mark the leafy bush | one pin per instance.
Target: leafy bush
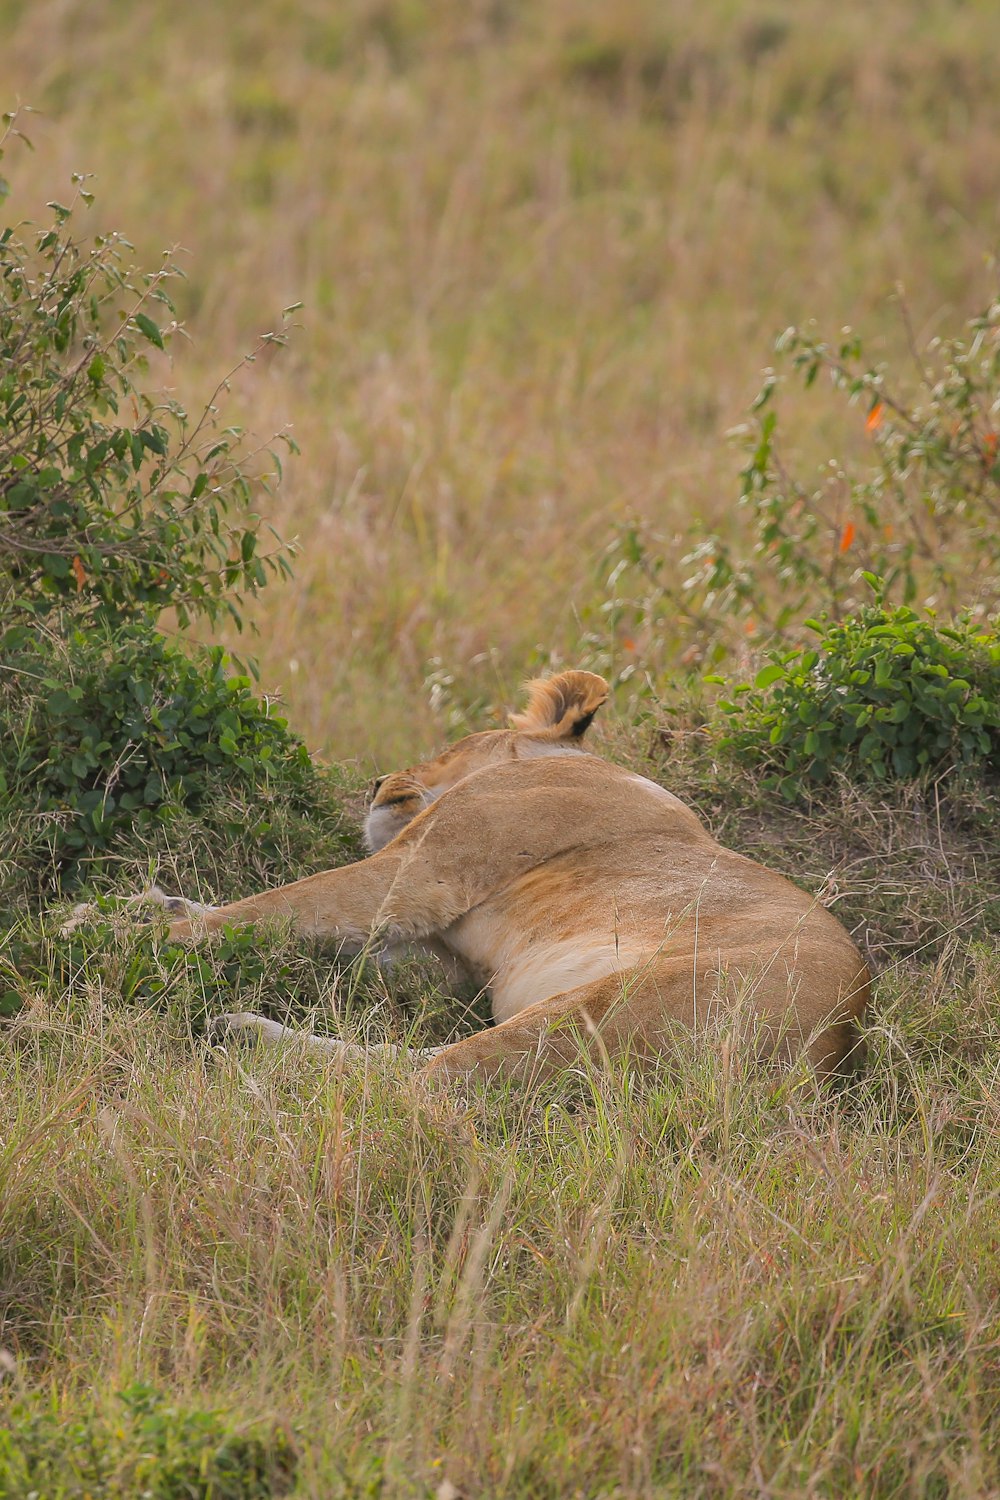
(108, 737)
(113, 506)
(915, 499)
(269, 969)
(148, 1448)
(882, 694)
(921, 508)
(110, 501)
(244, 967)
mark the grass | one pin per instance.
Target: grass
(542, 251)
(708, 1280)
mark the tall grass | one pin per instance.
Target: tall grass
(542, 252)
(707, 1282)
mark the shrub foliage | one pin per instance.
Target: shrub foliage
(917, 504)
(106, 735)
(110, 500)
(914, 497)
(884, 693)
(114, 505)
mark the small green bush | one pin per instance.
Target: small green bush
(113, 506)
(111, 501)
(148, 1448)
(107, 738)
(883, 694)
(244, 967)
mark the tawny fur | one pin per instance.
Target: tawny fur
(590, 901)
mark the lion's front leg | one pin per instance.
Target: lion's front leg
(175, 906)
(345, 905)
(415, 887)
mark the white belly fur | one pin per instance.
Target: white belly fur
(549, 970)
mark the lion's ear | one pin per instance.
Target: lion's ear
(561, 707)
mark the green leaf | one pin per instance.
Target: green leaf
(767, 675)
(10, 1003)
(149, 329)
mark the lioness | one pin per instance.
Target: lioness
(590, 901)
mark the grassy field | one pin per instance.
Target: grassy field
(542, 253)
(709, 1280)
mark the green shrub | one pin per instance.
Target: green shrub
(882, 694)
(148, 1448)
(246, 967)
(109, 737)
(111, 502)
(913, 497)
(113, 506)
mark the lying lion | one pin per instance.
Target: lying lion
(590, 902)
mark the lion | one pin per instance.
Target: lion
(592, 904)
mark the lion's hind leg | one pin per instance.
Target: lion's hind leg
(273, 1034)
(643, 1011)
(596, 1019)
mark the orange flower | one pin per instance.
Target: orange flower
(874, 418)
(847, 536)
(79, 573)
(990, 447)
(628, 643)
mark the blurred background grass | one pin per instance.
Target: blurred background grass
(542, 252)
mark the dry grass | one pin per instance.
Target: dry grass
(542, 252)
(709, 1280)
(706, 1283)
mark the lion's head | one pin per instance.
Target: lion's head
(559, 713)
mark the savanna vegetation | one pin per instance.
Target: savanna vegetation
(543, 254)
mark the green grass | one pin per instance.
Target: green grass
(707, 1282)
